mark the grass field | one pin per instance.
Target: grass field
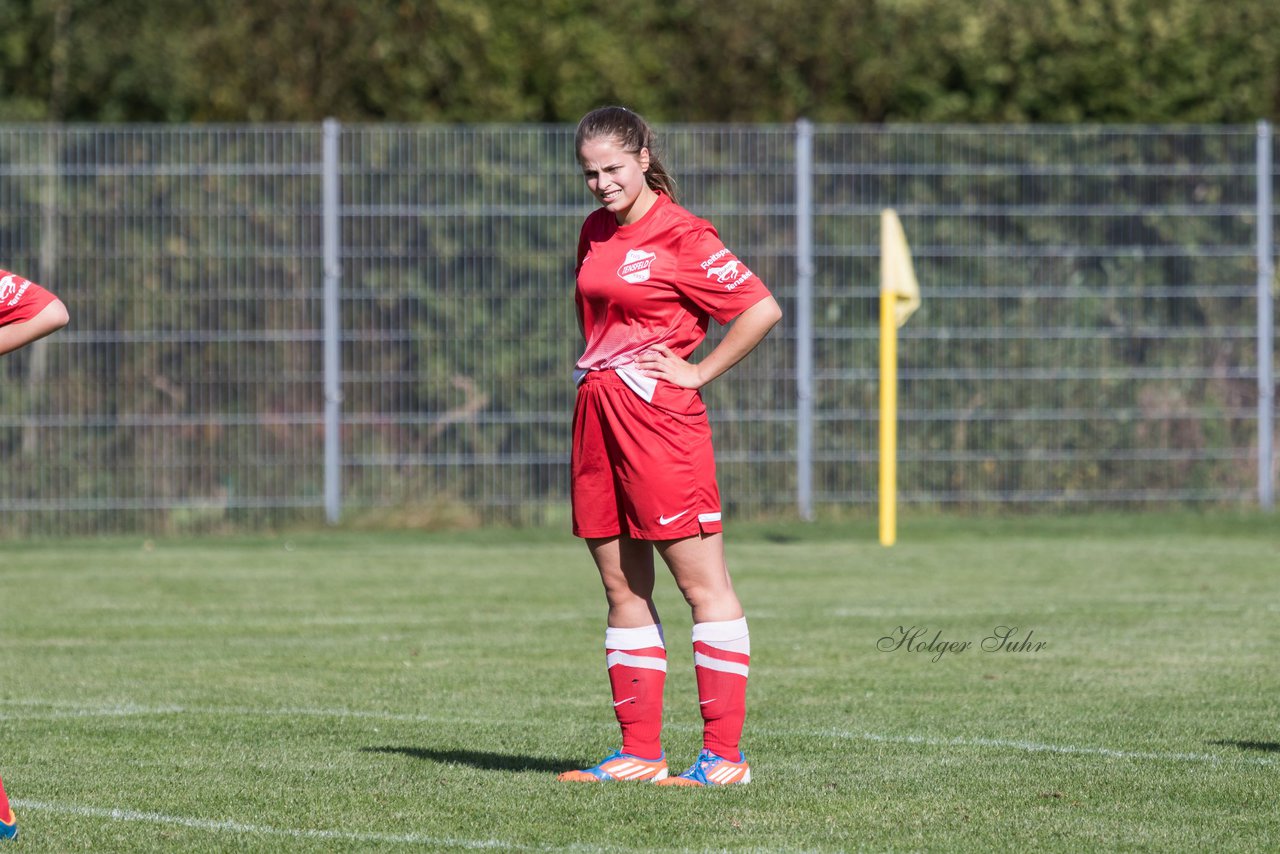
(398, 691)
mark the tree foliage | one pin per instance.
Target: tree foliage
(1196, 61)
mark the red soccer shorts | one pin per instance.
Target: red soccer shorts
(640, 469)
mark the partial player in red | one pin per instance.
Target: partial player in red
(27, 312)
(650, 277)
(8, 822)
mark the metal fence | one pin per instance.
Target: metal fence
(275, 324)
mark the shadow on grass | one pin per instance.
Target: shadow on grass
(779, 537)
(482, 759)
(1261, 746)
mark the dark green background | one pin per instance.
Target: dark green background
(1057, 61)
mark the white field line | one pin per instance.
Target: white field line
(56, 711)
(30, 710)
(1031, 747)
(386, 624)
(266, 830)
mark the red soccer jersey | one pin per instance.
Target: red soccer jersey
(656, 281)
(20, 299)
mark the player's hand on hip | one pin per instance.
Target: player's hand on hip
(659, 361)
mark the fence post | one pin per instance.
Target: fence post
(1266, 323)
(46, 271)
(331, 199)
(804, 319)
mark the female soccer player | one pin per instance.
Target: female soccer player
(27, 312)
(650, 276)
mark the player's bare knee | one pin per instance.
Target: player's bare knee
(702, 595)
(620, 594)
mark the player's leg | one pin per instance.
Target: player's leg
(626, 570)
(721, 655)
(8, 823)
(636, 654)
(636, 658)
(699, 568)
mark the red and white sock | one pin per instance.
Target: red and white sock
(637, 661)
(721, 659)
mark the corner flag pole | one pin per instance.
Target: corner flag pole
(899, 297)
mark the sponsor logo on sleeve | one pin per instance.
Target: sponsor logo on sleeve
(12, 288)
(635, 267)
(726, 273)
(731, 273)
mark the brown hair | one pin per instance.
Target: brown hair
(632, 133)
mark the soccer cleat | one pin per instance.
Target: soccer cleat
(9, 826)
(620, 766)
(712, 770)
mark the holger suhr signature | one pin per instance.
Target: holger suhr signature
(916, 639)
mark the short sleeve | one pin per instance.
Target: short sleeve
(20, 299)
(714, 278)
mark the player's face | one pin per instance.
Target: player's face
(616, 178)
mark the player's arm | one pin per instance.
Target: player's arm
(49, 319)
(745, 332)
(584, 246)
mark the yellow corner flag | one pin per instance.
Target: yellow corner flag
(897, 275)
(899, 298)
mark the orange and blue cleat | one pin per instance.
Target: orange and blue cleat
(712, 770)
(9, 826)
(620, 766)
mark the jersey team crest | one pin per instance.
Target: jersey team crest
(635, 267)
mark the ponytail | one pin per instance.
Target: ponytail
(632, 133)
